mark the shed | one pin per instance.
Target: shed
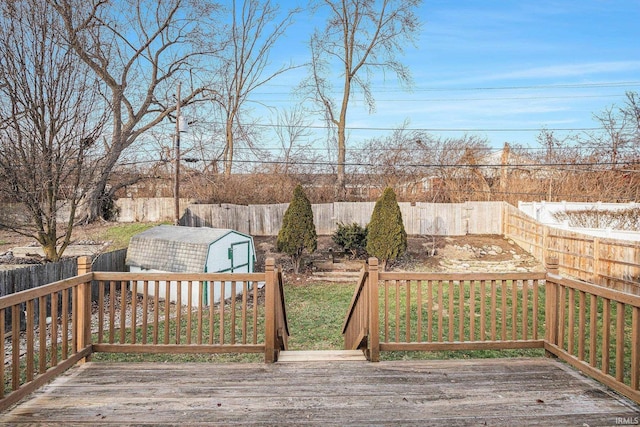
(168, 248)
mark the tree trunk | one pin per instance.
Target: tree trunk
(228, 151)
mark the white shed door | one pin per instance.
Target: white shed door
(240, 257)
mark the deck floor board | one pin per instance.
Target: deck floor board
(445, 392)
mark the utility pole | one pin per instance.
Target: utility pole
(176, 183)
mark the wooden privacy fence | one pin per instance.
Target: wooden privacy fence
(607, 262)
(444, 219)
(431, 311)
(134, 313)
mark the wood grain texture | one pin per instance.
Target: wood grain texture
(447, 392)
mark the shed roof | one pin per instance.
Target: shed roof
(174, 249)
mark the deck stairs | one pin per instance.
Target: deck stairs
(292, 356)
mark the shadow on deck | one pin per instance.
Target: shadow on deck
(444, 392)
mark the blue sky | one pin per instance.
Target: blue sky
(499, 69)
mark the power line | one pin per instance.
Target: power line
(386, 129)
(419, 165)
(490, 88)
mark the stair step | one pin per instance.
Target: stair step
(336, 276)
(290, 356)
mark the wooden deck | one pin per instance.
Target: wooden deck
(445, 392)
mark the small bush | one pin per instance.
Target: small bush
(298, 233)
(351, 238)
(386, 236)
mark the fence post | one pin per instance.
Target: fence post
(551, 302)
(545, 242)
(596, 261)
(83, 310)
(270, 311)
(374, 310)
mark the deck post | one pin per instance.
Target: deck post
(551, 303)
(270, 311)
(374, 317)
(83, 310)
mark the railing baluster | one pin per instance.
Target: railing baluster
(535, 298)
(407, 314)
(189, 314)
(430, 310)
(255, 312)
(461, 310)
(494, 314)
(525, 310)
(571, 326)
(101, 286)
(134, 313)
(200, 304)
(451, 305)
(562, 316)
(15, 347)
(606, 334)
(54, 329)
(503, 289)
(397, 310)
(211, 286)
(123, 311)
(419, 285)
(483, 309)
(156, 311)
(42, 334)
(386, 311)
(112, 311)
(581, 324)
(29, 314)
(145, 310)
(440, 309)
(472, 310)
(233, 313)
(178, 311)
(167, 310)
(593, 321)
(221, 303)
(619, 341)
(65, 323)
(74, 319)
(514, 310)
(245, 290)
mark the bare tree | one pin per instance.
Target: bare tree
(394, 160)
(292, 132)
(453, 160)
(613, 142)
(49, 121)
(256, 27)
(139, 55)
(360, 38)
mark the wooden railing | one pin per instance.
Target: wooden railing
(596, 330)
(35, 352)
(360, 317)
(593, 328)
(136, 313)
(431, 311)
(276, 324)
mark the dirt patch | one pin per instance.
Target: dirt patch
(490, 253)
